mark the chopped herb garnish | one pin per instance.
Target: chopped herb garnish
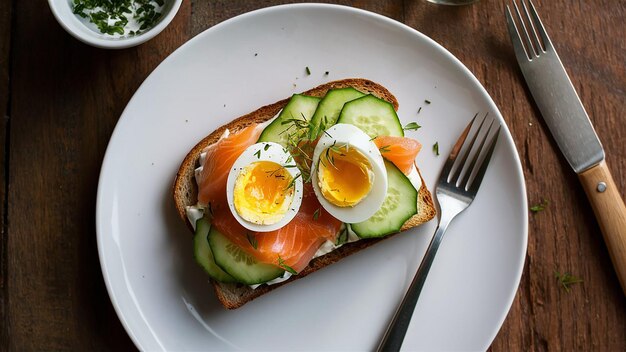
(336, 148)
(308, 71)
(257, 154)
(385, 148)
(297, 122)
(539, 207)
(273, 172)
(282, 264)
(411, 126)
(436, 148)
(324, 124)
(322, 162)
(267, 146)
(292, 182)
(113, 16)
(316, 214)
(343, 235)
(299, 136)
(427, 101)
(331, 158)
(252, 239)
(567, 279)
(371, 139)
(419, 110)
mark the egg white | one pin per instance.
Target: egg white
(354, 137)
(265, 151)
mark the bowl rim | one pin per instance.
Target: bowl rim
(98, 40)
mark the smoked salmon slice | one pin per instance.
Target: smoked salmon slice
(401, 151)
(295, 243)
(220, 157)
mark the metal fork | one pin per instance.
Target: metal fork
(456, 189)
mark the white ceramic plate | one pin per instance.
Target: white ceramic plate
(163, 298)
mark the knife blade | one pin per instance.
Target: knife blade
(563, 111)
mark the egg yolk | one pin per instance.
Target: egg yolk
(263, 192)
(344, 176)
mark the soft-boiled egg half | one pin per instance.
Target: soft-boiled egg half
(264, 187)
(348, 174)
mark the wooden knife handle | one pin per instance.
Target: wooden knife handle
(610, 211)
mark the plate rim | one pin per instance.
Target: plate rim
(332, 7)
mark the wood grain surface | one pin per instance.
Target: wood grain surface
(61, 99)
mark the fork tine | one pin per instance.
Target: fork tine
(532, 52)
(447, 167)
(473, 188)
(454, 177)
(547, 43)
(516, 38)
(536, 41)
(465, 182)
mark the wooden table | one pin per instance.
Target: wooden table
(61, 100)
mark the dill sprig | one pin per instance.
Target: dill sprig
(210, 209)
(385, 148)
(281, 263)
(330, 158)
(343, 235)
(436, 148)
(252, 239)
(316, 214)
(539, 207)
(411, 126)
(299, 135)
(276, 171)
(292, 183)
(566, 280)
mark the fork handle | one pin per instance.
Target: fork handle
(610, 211)
(394, 336)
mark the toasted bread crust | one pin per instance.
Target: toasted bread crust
(185, 191)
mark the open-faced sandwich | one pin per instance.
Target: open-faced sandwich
(297, 185)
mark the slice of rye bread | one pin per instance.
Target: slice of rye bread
(185, 191)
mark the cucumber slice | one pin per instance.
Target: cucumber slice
(239, 264)
(204, 256)
(374, 116)
(331, 105)
(399, 205)
(299, 107)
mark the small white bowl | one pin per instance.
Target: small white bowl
(62, 10)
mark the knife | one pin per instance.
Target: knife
(570, 126)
